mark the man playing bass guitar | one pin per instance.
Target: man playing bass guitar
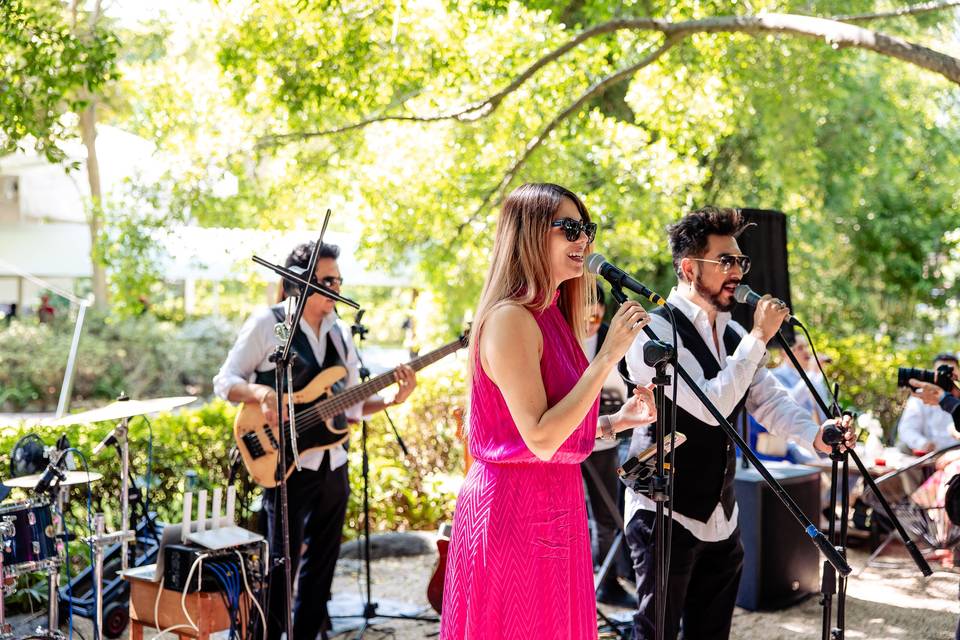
(317, 494)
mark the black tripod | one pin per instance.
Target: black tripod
(839, 456)
(369, 606)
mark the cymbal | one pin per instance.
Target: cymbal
(121, 409)
(72, 477)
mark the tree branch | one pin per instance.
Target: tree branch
(912, 10)
(536, 141)
(471, 112)
(837, 32)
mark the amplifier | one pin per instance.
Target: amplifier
(179, 558)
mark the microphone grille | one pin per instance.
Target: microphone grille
(594, 262)
(741, 293)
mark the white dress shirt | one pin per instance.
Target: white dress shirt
(922, 423)
(251, 353)
(741, 372)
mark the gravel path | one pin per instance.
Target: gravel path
(882, 604)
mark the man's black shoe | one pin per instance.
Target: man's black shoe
(615, 595)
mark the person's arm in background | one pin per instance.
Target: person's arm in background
(933, 395)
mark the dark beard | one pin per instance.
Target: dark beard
(712, 298)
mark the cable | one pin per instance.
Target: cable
(243, 572)
(183, 600)
(816, 358)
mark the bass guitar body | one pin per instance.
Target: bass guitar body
(257, 441)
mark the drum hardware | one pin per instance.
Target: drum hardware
(98, 542)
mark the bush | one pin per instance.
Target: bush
(142, 356)
(866, 369)
(413, 493)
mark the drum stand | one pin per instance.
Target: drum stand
(100, 539)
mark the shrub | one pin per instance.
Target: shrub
(142, 356)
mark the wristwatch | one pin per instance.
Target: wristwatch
(606, 428)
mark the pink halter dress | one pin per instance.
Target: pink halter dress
(519, 563)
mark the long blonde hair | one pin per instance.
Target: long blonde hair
(520, 270)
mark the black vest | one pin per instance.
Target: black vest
(305, 365)
(704, 467)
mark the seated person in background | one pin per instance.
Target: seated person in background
(785, 373)
(801, 393)
(924, 427)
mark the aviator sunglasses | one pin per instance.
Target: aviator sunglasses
(726, 262)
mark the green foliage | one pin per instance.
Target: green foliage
(141, 356)
(50, 67)
(415, 492)
(419, 490)
(865, 367)
(856, 148)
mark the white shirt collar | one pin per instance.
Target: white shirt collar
(325, 325)
(695, 312)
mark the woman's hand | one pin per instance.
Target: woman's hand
(625, 325)
(639, 410)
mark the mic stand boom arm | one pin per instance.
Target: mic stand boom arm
(915, 553)
(825, 546)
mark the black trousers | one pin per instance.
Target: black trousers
(317, 507)
(701, 588)
(605, 464)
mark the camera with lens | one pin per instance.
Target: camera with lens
(942, 377)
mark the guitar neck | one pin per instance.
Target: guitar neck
(340, 402)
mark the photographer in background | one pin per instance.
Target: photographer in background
(931, 415)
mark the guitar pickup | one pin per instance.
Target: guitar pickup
(252, 442)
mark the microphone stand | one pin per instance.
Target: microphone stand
(833, 436)
(283, 358)
(359, 331)
(668, 356)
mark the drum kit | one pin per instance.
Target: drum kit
(32, 530)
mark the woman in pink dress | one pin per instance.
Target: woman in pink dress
(519, 562)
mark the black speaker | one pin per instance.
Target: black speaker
(781, 565)
(766, 244)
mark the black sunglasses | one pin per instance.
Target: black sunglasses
(573, 228)
(331, 281)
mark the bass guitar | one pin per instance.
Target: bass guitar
(314, 408)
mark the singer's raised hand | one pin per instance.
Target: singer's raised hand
(767, 318)
(626, 324)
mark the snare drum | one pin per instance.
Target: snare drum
(29, 539)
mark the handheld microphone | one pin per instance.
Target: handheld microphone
(598, 266)
(745, 295)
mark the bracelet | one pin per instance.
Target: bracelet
(606, 428)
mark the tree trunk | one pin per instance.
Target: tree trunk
(88, 133)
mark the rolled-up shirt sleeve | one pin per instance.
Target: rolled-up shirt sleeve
(248, 352)
(773, 407)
